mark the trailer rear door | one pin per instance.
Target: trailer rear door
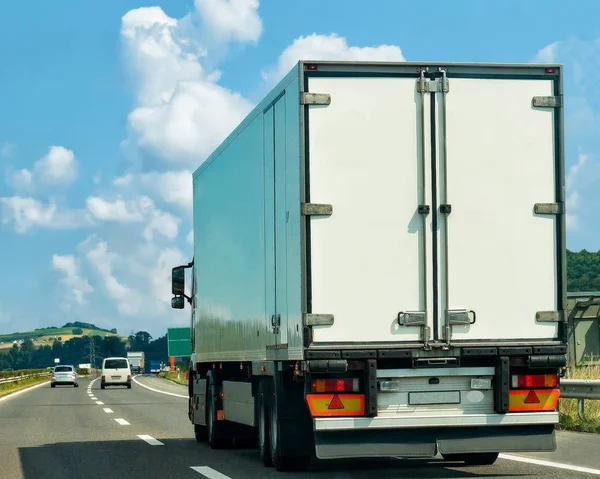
(447, 199)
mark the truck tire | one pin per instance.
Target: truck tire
(473, 459)
(200, 433)
(282, 463)
(215, 439)
(262, 421)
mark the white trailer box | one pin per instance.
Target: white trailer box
(399, 226)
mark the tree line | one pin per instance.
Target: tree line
(583, 271)
(82, 350)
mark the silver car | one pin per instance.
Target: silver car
(64, 374)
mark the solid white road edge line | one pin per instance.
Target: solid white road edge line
(158, 390)
(122, 422)
(108, 410)
(209, 472)
(21, 391)
(150, 440)
(556, 465)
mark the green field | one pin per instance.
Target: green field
(46, 335)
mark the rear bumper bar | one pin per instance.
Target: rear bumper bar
(464, 420)
(427, 442)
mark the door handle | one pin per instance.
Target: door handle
(275, 323)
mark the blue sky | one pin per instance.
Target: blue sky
(108, 106)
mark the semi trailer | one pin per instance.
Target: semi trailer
(379, 266)
(136, 360)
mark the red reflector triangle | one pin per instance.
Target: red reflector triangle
(532, 398)
(336, 403)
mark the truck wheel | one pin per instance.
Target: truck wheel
(262, 420)
(213, 426)
(282, 463)
(200, 432)
(474, 459)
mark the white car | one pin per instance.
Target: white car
(64, 374)
(115, 372)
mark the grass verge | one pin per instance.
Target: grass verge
(569, 418)
(6, 389)
(178, 378)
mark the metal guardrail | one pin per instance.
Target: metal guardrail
(12, 379)
(580, 389)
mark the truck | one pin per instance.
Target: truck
(155, 366)
(378, 266)
(136, 360)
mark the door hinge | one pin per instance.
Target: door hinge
(438, 85)
(315, 209)
(307, 98)
(424, 209)
(548, 101)
(445, 209)
(318, 319)
(550, 316)
(549, 208)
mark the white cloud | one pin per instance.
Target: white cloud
(328, 47)
(173, 187)
(58, 168)
(27, 213)
(190, 237)
(123, 181)
(573, 194)
(8, 149)
(138, 210)
(161, 274)
(77, 286)
(182, 114)
(230, 20)
(547, 54)
(119, 209)
(128, 300)
(164, 224)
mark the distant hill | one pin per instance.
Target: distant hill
(583, 271)
(42, 336)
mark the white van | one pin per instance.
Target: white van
(115, 372)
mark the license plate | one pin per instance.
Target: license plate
(434, 397)
(116, 377)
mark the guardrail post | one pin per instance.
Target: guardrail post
(581, 408)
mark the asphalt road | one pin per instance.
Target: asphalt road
(70, 432)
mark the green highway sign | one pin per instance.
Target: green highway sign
(179, 342)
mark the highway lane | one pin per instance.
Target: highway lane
(64, 432)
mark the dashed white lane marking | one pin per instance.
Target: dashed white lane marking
(99, 403)
(557, 465)
(122, 422)
(93, 398)
(158, 390)
(108, 410)
(150, 440)
(209, 472)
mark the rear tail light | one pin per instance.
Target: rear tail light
(534, 381)
(129, 376)
(53, 375)
(103, 377)
(335, 385)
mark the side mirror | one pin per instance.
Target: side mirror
(178, 302)
(178, 281)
